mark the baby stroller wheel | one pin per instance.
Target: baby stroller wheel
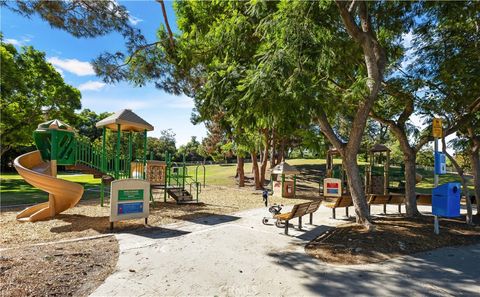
(265, 221)
(279, 224)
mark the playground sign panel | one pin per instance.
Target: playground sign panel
(136, 194)
(129, 200)
(332, 187)
(437, 128)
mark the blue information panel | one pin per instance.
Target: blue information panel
(132, 207)
(440, 163)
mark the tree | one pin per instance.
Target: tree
(331, 59)
(163, 144)
(32, 92)
(190, 150)
(448, 42)
(85, 124)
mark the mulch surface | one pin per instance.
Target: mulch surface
(394, 236)
(77, 268)
(88, 218)
(60, 269)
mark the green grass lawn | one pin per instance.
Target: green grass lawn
(14, 190)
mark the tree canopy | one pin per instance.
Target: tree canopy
(32, 91)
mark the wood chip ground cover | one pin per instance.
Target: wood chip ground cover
(394, 236)
(89, 218)
(60, 269)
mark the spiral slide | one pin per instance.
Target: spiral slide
(63, 194)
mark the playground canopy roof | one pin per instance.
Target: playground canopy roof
(379, 148)
(53, 125)
(285, 168)
(128, 120)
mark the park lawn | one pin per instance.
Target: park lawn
(223, 174)
(15, 191)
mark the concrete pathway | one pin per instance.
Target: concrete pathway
(236, 255)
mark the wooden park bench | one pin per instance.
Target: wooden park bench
(395, 199)
(336, 202)
(313, 207)
(378, 199)
(298, 211)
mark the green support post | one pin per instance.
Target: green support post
(167, 176)
(54, 145)
(169, 168)
(283, 180)
(183, 173)
(117, 157)
(103, 166)
(130, 149)
(197, 191)
(144, 152)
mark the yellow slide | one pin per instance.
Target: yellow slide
(63, 194)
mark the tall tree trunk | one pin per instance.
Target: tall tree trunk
(4, 149)
(356, 189)
(241, 171)
(409, 158)
(281, 152)
(475, 159)
(263, 167)
(256, 174)
(272, 156)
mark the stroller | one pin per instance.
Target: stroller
(274, 210)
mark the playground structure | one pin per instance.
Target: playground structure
(173, 179)
(377, 184)
(57, 145)
(284, 187)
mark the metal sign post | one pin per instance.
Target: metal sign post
(437, 133)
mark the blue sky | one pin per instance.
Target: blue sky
(71, 57)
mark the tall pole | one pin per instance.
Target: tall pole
(117, 155)
(183, 175)
(435, 175)
(104, 165)
(144, 152)
(436, 224)
(130, 149)
(53, 169)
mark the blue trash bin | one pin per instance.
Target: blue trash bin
(446, 200)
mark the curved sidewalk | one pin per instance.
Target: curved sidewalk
(235, 255)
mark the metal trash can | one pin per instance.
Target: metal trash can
(446, 200)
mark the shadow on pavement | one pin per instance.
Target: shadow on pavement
(207, 218)
(448, 271)
(156, 232)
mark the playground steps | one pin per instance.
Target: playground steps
(180, 195)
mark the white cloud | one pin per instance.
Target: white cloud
(134, 20)
(13, 41)
(91, 86)
(72, 65)
(24, 40)
(181, 102)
